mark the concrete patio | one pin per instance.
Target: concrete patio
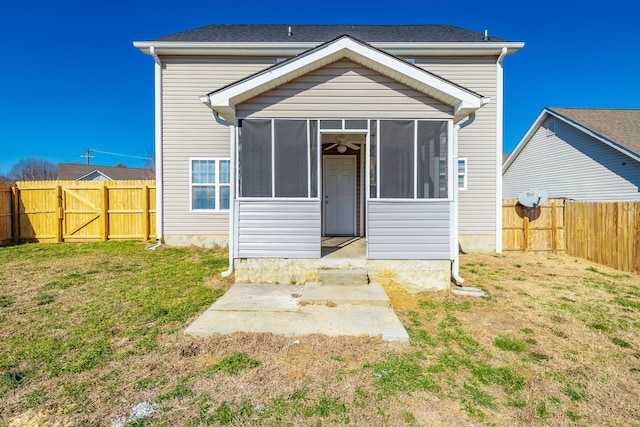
(296, 310)
(341, 302)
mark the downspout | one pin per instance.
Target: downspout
(232, 190)
(158, 144)
(455, 266)
(499, 146)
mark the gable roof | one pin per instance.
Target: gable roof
(321, 33)
(77, 171)
(224, 100)
(620, 126)
(617, 128)
(286, 40)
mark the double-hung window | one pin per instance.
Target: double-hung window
(462, 173)
(210, 184)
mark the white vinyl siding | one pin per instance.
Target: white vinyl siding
(344, 90)
(476, 142)
(278, 229)
(189, 131)
(572, 164)
(409, 230)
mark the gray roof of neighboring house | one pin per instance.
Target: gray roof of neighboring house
(73, 171)
(620, 126)
(322, 33)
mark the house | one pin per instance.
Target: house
(82, 172)
(271, 137)
(586, 154)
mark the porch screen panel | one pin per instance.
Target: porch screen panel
(373, 155)
(313, 151)
(432, 160)
(291, 158)
(254, 158)
(397, 153)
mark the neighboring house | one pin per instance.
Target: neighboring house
(588, 154)
(82, 172)
(269, 137)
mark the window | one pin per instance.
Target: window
(210, 184)
(462, 174)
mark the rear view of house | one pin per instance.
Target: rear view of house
(586, 154)
(271, 138)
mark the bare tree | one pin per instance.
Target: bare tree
(150, 161)
(31, 169)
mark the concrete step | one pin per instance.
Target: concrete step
(468, 291)
(343, 277)
(335, 295)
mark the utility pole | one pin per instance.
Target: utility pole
(88, 155)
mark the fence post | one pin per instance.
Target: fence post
(554, 232)
(104, 224)
(145, 213)
(60, 219)
(15, 204)
(525, 230)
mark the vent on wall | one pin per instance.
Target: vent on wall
(550, 126)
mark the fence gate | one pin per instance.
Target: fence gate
(77, 211)
(83, 215)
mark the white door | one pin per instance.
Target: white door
(339, 195)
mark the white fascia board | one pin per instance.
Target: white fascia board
(344, 47)
(95, 171)
(525, 139)
(294, 48)
(538, 122)
(592, 134)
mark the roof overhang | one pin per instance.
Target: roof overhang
(408, 49)
(550, 113)
(463, 101)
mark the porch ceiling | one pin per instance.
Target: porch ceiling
(464, 101)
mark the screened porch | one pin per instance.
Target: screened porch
(301, 180)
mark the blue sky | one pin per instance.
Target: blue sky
(70, 78)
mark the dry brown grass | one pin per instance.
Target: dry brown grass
(579, 324)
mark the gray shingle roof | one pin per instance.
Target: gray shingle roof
(73, 171)
(620, 126)
(323, 33)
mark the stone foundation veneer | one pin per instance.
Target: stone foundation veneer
(201, 240)
(478, 243)
(410, 275)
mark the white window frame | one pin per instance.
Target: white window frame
(273, 176)
(464, 174)
(217, 185)
(415, 167)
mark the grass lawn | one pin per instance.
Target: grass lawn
(92, 334)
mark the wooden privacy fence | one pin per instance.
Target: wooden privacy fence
(533, 230)
(6, 206)
(77, 211)
(604, 232)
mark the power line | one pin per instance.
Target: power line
(88, 155)
(121, 155)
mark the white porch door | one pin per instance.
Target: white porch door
(339, 195)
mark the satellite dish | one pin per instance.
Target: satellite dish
(532, 198)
